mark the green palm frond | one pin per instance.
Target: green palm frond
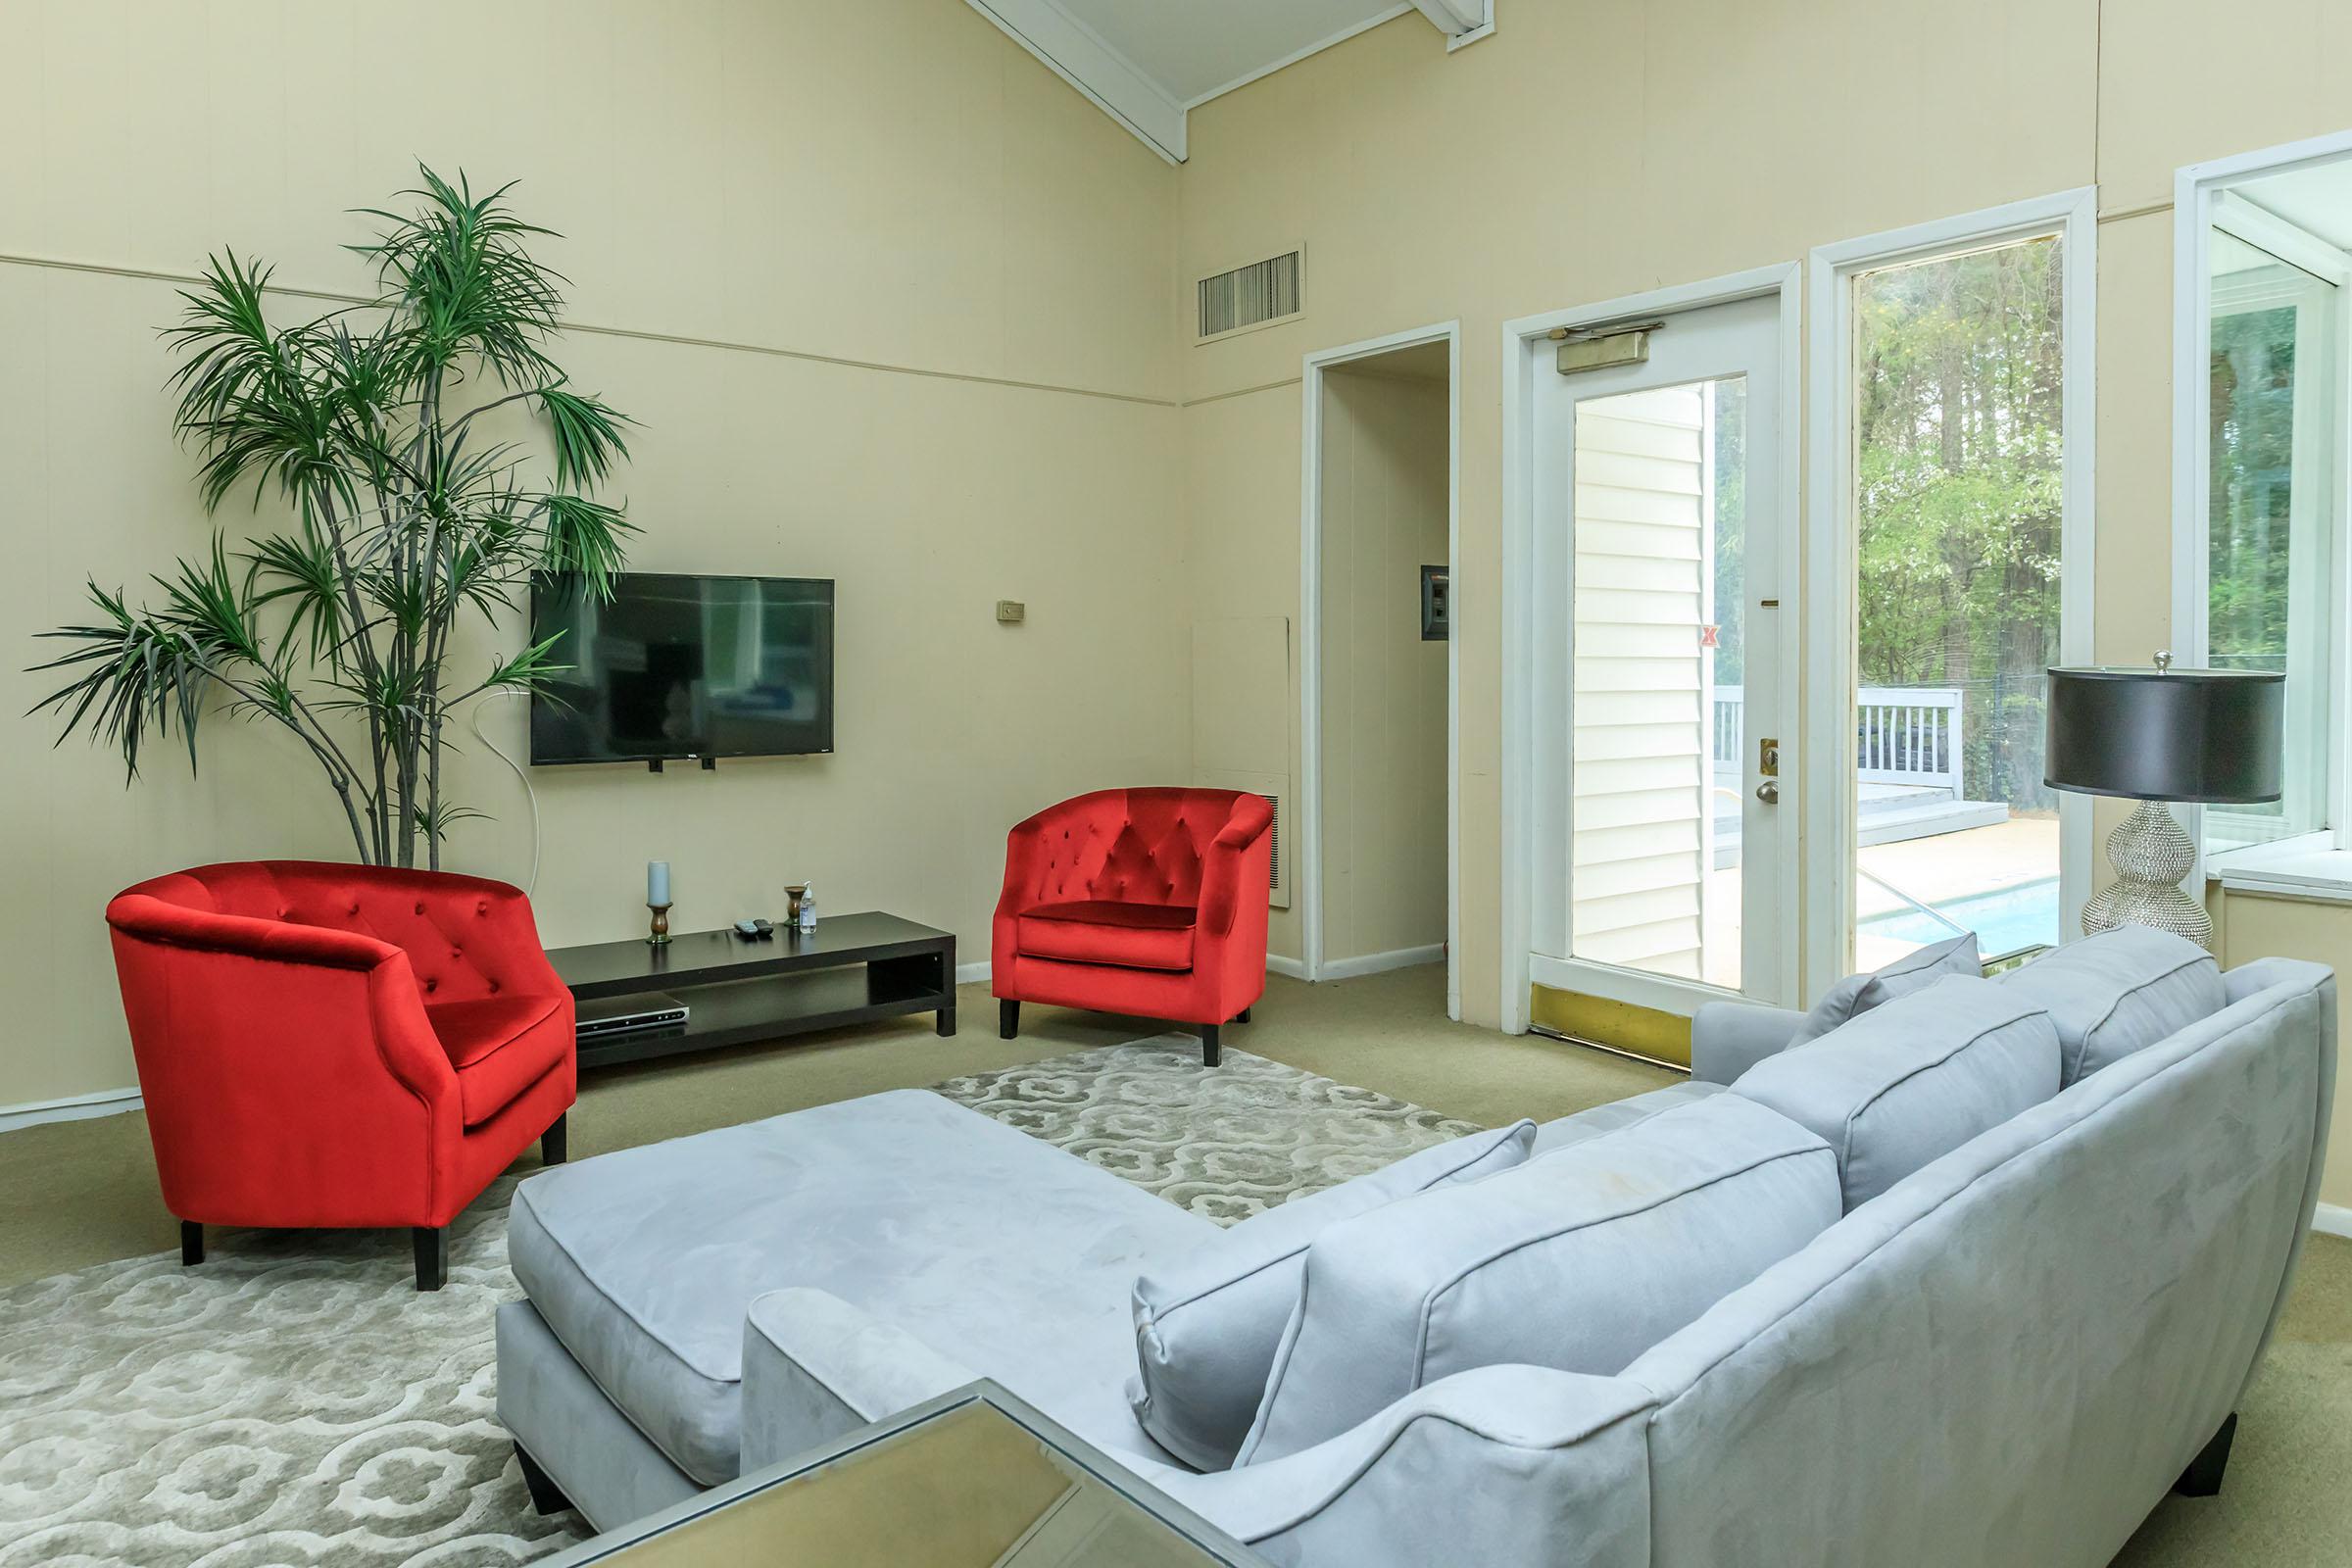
(583, 538)
(136, 674)
(301, 570)
(587, 436)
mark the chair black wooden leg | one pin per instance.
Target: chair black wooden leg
(545, 1496)
(191, 1243)
(2203, 1477)
(1208, 1045)
(432, 1255)
(1008, 1019)
(1242, 1016)
(555, 1144)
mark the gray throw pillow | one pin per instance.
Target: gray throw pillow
(2120, 992)
(1857, 994)
(1913, 1080)
(1581, 1261)
(1206, 1325)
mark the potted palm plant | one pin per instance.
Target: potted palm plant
(404, 513)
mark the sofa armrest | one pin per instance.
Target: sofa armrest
(1503, 1464)
(815, 1368)
(1727, 1038)
(143, 917)
(1228, 856)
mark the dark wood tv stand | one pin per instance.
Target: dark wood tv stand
(853, 968)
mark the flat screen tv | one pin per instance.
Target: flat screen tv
(673, 667)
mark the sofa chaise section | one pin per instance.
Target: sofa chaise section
(642, 1266)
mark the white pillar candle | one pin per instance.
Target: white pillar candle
(657, 882)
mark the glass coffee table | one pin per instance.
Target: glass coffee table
(973, 1479)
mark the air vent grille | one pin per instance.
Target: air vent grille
(1251, 296)
(1279, 888)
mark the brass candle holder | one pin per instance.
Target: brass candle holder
(660, 933)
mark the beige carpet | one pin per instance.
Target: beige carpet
(80, 1194)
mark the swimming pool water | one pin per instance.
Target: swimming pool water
(2022, 916)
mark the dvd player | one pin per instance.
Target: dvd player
(619, 1015)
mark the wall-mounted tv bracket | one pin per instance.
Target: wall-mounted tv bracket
(652, 764)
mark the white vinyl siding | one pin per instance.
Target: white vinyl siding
(1639, 824)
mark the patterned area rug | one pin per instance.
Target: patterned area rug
(296, 1400)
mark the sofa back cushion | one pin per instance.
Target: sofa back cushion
(1580, 1261)
(1915, 970)
(2009, 1358)
(1914, 1079)
(1208, 1324)
(2118, 992)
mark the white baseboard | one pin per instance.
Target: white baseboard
(972, 974)
(1382, 963)
(78, 1107)
(1276, 963)
(2332, 1219)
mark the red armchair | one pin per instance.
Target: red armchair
(1148, 902)
(334, 1045)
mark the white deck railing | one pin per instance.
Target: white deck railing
(1903, 735)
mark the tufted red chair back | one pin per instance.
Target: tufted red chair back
(435, 931)
(1137, 846)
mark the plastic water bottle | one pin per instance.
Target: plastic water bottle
(809, 908)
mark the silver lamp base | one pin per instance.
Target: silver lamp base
(2150, 854)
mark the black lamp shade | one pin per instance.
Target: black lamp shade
(2201, 735)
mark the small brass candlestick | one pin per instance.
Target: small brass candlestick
(661, 935)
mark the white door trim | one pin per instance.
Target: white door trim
(2198, 189)
(1829, 547)
(1524, 340)
(1307, 812)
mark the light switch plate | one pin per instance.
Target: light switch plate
(1012, 612)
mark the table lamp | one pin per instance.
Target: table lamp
(2157, 734)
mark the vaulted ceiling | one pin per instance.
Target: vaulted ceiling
(1148, 62)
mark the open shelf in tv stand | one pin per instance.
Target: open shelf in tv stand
(853, 968)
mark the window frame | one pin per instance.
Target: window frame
(1831, 547)
(2205, 201)
(2316, 520)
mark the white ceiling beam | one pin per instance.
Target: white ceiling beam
(1075, 52)
(1461, 21)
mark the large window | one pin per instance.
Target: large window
(2274, 390)
(1958, 511)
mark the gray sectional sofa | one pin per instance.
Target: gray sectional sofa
(1973, 1277)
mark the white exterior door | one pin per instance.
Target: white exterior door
(1664, 840)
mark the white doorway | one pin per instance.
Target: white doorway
(1378, 815)
(1651, 807)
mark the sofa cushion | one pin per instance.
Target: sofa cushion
(1208, 1323)
(998, 1250)
(500, 1046)
(1134, 936)
(1568, 1131)
(1857, 994)
(1580, 1261)
(1914, 1079)
(2118, 992)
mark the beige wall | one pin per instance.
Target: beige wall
(1598, 150)
(1383, 471)
(752, 194)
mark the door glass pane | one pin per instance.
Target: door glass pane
(1661, 510)
(1958, 440)
(2270, 523)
